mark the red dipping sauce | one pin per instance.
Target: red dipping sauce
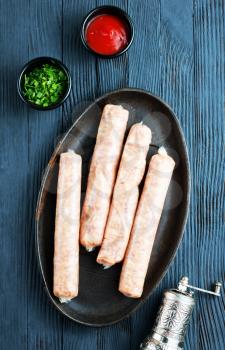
(107, 34)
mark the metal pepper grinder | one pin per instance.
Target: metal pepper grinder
(173, 317)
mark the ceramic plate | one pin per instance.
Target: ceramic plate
(99, 303)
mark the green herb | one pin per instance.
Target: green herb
(45, 85)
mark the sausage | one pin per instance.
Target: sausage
(145, 226)
(67, 222)
(102, 175)
(125, 196)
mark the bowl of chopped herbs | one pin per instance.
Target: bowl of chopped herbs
(44, 83)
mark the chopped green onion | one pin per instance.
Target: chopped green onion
(45, 85)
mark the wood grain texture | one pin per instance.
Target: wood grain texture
(43, 129)
(178, 53)
(111, 75)
(145, 72)
(13, 182)
(209, 164)
(82, 66)
(177, 88)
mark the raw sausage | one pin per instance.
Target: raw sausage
(145, 224)
(102, 175)
(125, 196)
(67, 222)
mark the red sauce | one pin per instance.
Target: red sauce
(107, 34)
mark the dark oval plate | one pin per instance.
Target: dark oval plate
(99, 303)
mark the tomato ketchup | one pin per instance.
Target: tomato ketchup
(107, 34)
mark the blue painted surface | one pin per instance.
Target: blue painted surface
(178, 54)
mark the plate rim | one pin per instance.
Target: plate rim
(41, 191)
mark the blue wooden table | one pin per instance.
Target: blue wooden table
(178, 54)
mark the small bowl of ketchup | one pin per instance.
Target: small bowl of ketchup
(107, 31)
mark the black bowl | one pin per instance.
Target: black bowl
(109, 10)
(38, 62)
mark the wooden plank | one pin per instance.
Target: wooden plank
(177, 48)
(82, 66)
(44, 27)
(209, 73)
(81, 63)
(13, 179)
(145, 73)
(113, 74)
(144, 55)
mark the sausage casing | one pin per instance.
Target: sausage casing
(125, 196)
(67, 224)
(102, 175)
(145, 226)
